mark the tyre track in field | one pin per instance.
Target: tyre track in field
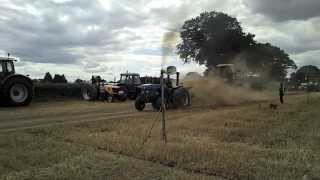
(80, 116)
(67, 118)
(20, 117)
(73, 118)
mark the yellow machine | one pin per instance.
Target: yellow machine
(228, 72)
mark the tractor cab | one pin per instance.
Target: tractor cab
(226, 72)
(130, 79)
(6, 67)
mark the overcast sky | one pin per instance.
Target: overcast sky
(105, 37)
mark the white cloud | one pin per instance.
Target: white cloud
(285, 9)
(84, 37)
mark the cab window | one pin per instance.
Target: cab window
(1, 68)
(9, 67)
(136, 80)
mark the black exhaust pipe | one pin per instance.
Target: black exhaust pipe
(178, 78)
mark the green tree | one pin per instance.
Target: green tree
(269, 60)
(307, 73)
(79, 81)
(213, 38)
(216, 38)
(59, 78)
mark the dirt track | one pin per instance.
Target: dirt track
(45, 114)
(58, 113)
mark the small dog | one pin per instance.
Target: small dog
(273, 106)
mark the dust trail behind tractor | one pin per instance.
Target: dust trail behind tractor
(215, 91)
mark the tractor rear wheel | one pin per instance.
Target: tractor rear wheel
(181, 98)
(158, 103)
(18, 92)
(89, 93)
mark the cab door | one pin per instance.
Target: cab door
(6, 69)
(9, 68)
(2, 72)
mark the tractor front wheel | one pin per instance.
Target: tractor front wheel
(140, 104)
(110, 98)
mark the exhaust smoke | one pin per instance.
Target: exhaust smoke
(169, 43)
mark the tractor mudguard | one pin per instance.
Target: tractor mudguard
(5, 80)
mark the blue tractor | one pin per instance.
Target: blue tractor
(175, 95)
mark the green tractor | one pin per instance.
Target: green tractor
(15, 89)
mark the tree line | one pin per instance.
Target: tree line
(56, 79)
(306, 74)
(216, 38)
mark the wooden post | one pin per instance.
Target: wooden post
(163, 109)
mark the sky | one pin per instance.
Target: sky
(80, 38)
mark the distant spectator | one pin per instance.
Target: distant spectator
(281, 93)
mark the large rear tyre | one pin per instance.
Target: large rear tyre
(89, 93)
(157, 104)
(181, 98)
(18, 92)
(140, 103)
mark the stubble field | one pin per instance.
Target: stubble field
(96, 140)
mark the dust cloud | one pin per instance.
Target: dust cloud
(216, 92)
(206, 90)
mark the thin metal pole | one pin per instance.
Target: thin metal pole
(163, 109)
